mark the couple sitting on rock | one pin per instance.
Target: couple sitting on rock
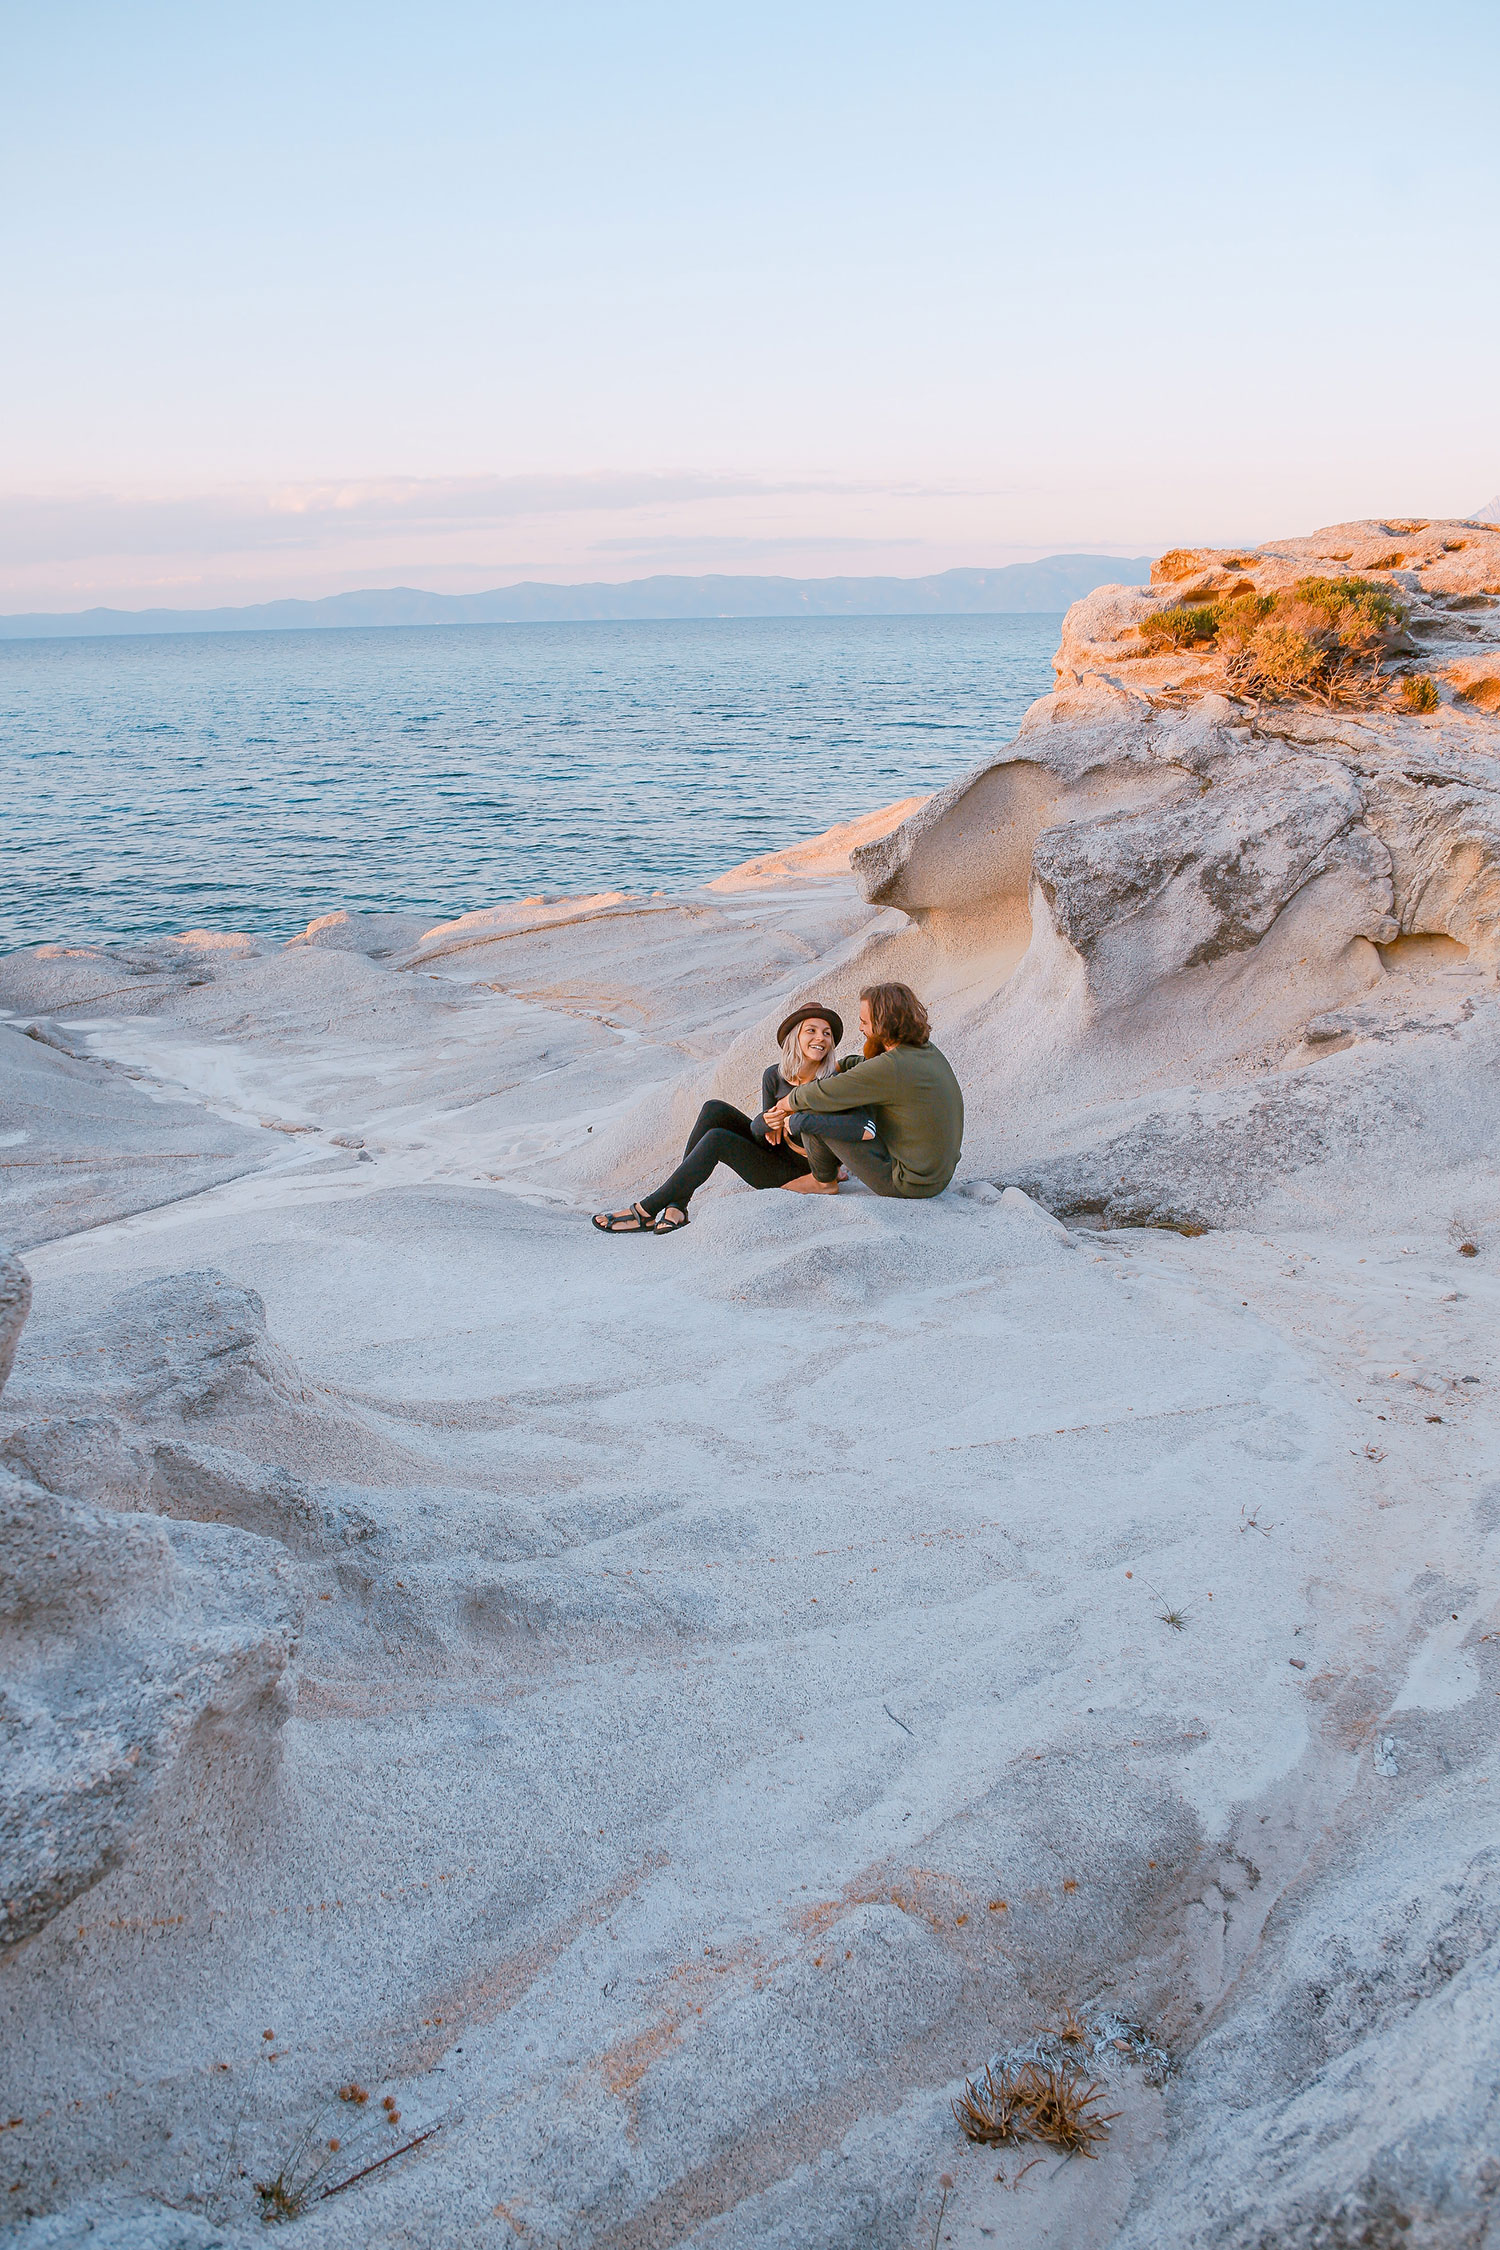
(896, 1118)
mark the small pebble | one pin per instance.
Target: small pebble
(1298, 1663)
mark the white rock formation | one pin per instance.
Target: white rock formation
(752, 1678)
(129, 1650)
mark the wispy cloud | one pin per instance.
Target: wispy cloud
(745, 548)
(50, 528)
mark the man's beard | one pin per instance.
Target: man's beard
(874, 1047)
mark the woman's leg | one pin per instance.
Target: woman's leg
(755, 1161)
(714, 1115)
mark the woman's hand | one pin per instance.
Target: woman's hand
(772, 1132)
(777, 1116)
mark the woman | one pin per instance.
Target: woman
(764, 1155)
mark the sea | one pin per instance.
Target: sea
(250, 781)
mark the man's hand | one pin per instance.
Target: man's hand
(777, 1115)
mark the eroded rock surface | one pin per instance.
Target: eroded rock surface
(123, 1645)
(750, 1680)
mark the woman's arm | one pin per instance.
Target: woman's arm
(770, 1082)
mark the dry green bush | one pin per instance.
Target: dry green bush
(1419, 692)
(1182, 624)
(1321, 640)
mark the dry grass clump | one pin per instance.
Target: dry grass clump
(1072, 2031)
(990, 2109)
(303, 2178)
(1419, 692)
(1321, 641)
(1035, 2102)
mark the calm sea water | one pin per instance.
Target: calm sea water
(248, 781)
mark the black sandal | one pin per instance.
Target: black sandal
(664, 1225)
(633, 1221)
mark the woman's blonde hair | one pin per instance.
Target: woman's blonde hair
(792, 1058)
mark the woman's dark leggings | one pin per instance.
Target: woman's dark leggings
(722, 1136)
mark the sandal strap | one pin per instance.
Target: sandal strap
(633, 1221)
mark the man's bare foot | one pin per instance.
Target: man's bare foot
(807, 1185)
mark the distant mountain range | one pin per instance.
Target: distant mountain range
(1017, 588)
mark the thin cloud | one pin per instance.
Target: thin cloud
(747, 548)
(49, 528)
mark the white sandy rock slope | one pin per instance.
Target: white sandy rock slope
(653, 1715)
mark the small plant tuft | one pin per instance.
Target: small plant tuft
(991, 2110)
(1419, 692)
(1065, 2112)
(1035, 2102)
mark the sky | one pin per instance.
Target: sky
(301, 298)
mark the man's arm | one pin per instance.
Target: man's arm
(865, 1086)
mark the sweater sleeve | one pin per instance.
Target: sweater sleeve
(769, 1079)
(865, 1086)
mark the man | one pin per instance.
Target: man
(897, 1118)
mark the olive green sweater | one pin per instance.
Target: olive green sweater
(918, 1109)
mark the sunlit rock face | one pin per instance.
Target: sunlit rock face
(1179, 885)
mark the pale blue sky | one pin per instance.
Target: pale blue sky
(312, 296)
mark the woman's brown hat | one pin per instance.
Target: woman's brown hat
(830, 1016)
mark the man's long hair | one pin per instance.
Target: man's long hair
(897, 1018)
